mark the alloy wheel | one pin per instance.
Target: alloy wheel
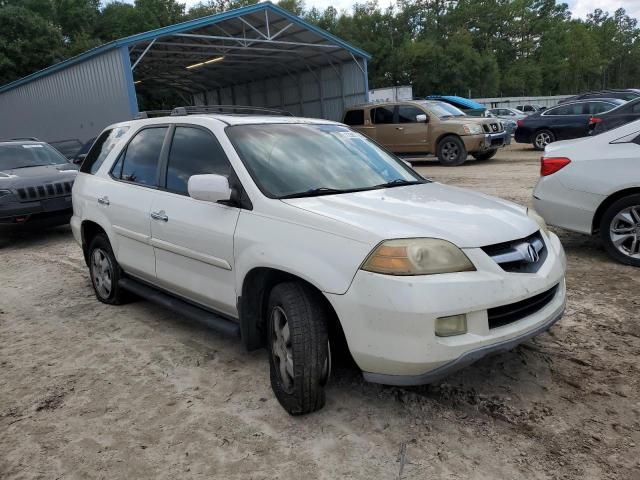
(543, 139)
(624, 231)
(101, 272)
(450, 151)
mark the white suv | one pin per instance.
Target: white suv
(299, 234)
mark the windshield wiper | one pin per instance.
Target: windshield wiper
(31, 166)
(398, 182)
(316, 192)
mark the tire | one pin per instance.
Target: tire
(620, 230)
(542, 138)
(451, 151)
(485, 155)
(103, 266)
(298, 345)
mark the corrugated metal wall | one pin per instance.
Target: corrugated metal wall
(76, 102)
(320, 93)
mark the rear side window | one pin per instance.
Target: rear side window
(354, 117)
(194, 152)
(101, 148)
(575, 109)
(139, 161)
(381, 115)
(598, 107)
(408, 114)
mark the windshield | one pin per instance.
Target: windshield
(444, 110)
(297, 160)
(29, 155)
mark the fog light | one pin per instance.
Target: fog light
(453, 325)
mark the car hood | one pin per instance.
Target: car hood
(467, 219)
(19, 177)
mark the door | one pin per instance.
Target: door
(386, 133)
(568, 121)
(127, 201)
(412, 135)
(193, 239)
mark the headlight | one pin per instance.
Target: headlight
(533, 215)
(4, 192)
(472, 128)
(417, 256)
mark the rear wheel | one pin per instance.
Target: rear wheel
(451, 151)
(298, 342)
(105, 271)
(620, 230)
(485, 155)
(542, 138)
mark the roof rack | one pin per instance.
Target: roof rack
(152, 114)
(228, 110)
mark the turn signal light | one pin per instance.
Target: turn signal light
(549, 165)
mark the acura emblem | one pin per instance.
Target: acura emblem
(532, 255)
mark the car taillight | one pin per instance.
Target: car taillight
(520, 122)
(595, 120)
(549, 165)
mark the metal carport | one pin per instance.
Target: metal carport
(260, 55)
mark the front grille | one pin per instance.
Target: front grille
(506, 314)
(492, 127)
(48, 190)
(519, 256)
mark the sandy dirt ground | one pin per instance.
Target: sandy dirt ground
(135, 392)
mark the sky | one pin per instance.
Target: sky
(579, 8)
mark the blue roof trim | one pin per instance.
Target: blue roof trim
(465, 102)
(180, 27)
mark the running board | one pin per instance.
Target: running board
(204, 317)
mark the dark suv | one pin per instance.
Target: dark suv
(35, 184)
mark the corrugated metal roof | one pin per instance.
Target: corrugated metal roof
(311, 30)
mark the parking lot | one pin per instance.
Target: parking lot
(94, 391)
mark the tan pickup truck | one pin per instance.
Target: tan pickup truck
(426, 126)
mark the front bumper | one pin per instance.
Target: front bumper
(53, 211)
(389, 322)
(486, 141)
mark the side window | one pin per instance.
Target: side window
(381, 115)
(408, 113)
(354, 117)
(564, 110)
(101, 148)
(635, 108)
(194, 152)
(139, 161)
(599, 107)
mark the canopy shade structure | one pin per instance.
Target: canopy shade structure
(260, 55)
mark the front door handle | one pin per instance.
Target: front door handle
(161, 215)
(103, 200)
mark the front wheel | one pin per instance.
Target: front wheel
(620, 230)
(542, 138)
(485, 155)
(451, 151)
(298, 344)
(105, 272)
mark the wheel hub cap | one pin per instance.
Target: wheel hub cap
(101, 272)
(281, 348)
(625, 231)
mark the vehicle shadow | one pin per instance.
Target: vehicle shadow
(33, 237)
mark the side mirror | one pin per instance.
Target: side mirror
(422, 118)
(209, 188)
(80, 158)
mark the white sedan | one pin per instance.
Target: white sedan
(592, 185)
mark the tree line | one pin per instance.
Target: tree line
(476, 48)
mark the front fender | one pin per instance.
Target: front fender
(325, 260)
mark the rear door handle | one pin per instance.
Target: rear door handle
(103, 200)
(399, 128)
(161, 215)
